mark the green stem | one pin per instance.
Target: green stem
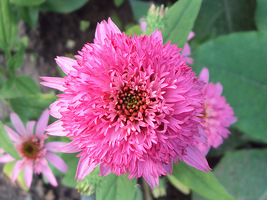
(147, 190)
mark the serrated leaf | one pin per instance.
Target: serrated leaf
(205, 184)
(6, 143)
(243, 173)
(180, 21)
(26, 85)
(238, 61)
(116, 187)
(8, 26)
(31, 107)
(261, 15)
(27, 2)
(62, 6)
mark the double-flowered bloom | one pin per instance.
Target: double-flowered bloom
(130, 105)
(33, 150)
(218, 115)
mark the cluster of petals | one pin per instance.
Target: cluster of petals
(218, 114)
(130, 105)
(33, 150)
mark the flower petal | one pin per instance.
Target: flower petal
(66, 64)
(49, 175)
(84, 168)
(30, 127)
(28, 173)
(57, 162)
(17, 123)
(17, 168)
(52, 82)
(103, 29)
(204, 75)
(6, 158)
(42, 123)
(55, 146)
(12, 134)
(56, 129)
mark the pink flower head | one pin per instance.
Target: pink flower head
(218, 115)
(130, 105)
(33, 150)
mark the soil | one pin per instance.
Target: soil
(60, 35)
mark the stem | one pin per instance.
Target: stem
(147, 190)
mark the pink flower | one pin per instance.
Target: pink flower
(218, 115)
(33, 150)
(130, 105)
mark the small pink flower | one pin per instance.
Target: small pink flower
(130, 105)
(33, 150)
(218, 115)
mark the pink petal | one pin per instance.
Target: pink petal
(143, 24)
(54, 82)
(12, 134)
(42, 123)
(66, 64)
(196, 159)
(28, 173)
(54, 109)
(49, 175)
(191, 35)
(62, 147)
(84, 168)
(55, 146)
(17, 168)
(30, 127)
(104, 29)
(104, 171)
(6, 158)
(17, 123)
(57, 162)
(56, 129)
(204, 75)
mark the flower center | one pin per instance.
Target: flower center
(31, 148)
(132, 103)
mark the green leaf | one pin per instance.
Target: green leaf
(139, 8)
(62, 6)
(26, 85)
(116, 187)
(135, 29)
(243, 173)
(118, 3)
(31, 107)
(72, 163)
(27, 2)
(180, 20)
(15, 61)
(217, 17)
(261, 15)
(7, 144)
(29, 15)
(9, 90)
(8, 26)
(205, 184)
(238, 61)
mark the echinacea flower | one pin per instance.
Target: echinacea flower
(218, 115)
(130, 105)
(33, 150)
